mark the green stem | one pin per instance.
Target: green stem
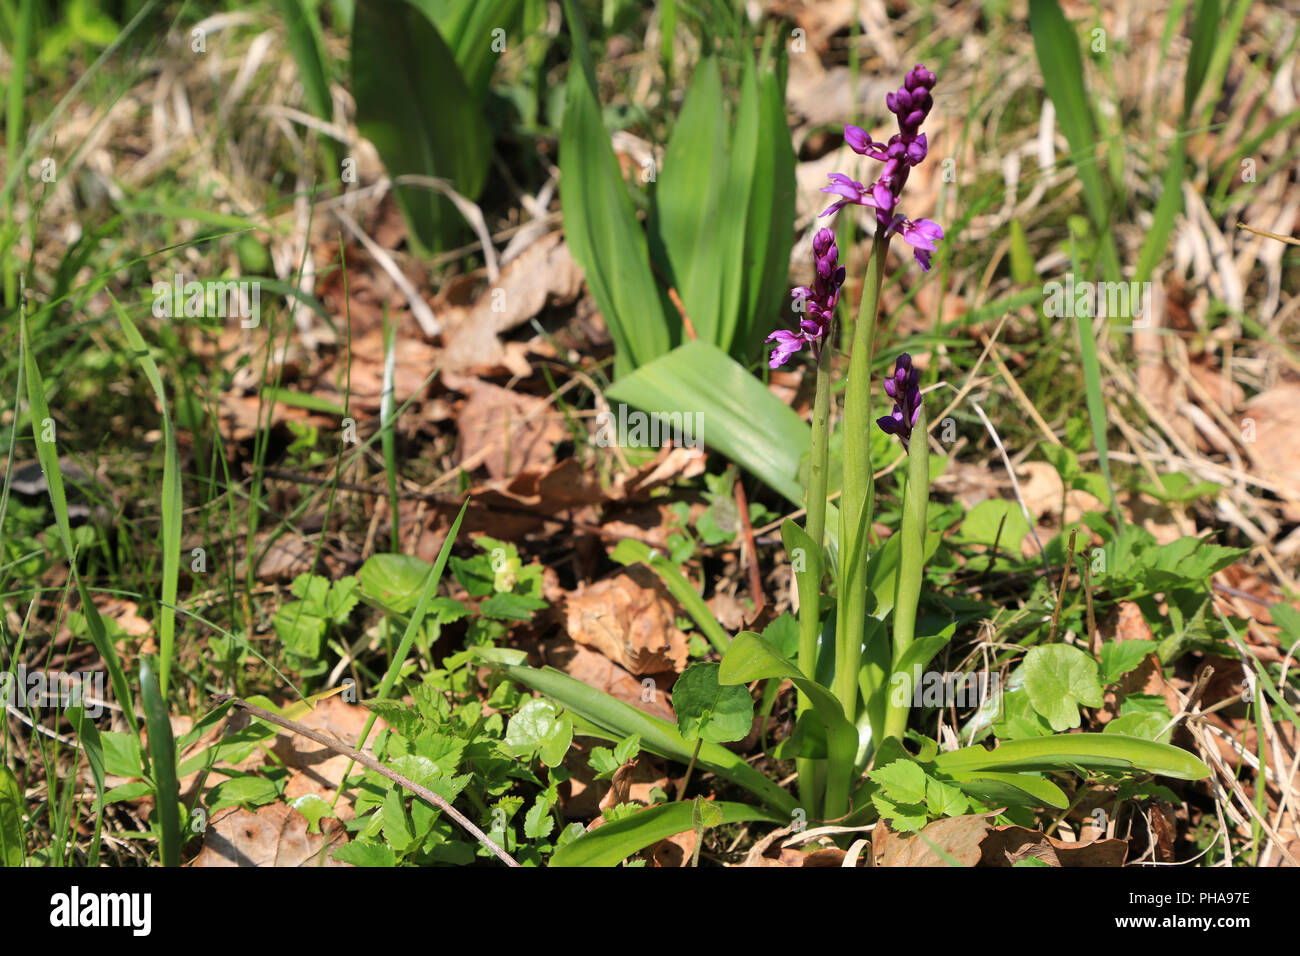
(911, 561)
(810, 624)
(855, 511)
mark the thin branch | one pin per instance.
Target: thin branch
(424, 793)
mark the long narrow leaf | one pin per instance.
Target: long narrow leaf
(162, 757)
(658, 736)
(43, 431)
(601, 227)
(413, 103)
(688, 215)
(171, 500)
(1057, 49)
(1099, 752)
(607, 845)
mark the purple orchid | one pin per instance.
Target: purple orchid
(905, 149)
(904, 388)
(817, 303)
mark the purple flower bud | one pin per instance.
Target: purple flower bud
(903, 386)
(905, 149)
(859, 140)
(818, 303)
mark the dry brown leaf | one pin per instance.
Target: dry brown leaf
(314, 768)
(1276, 447)
(543, 274)
(504, 431)
(1041, 487)
(126, 614)
(630, 618)
(959, 837)
(1007, 845)
(276, 835)
(675, 851)
(413, 361)
(1224, 391)
(598, 671)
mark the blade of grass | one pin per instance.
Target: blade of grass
(47, 453)
(14, 124)
(171, 504)
(1057, 50)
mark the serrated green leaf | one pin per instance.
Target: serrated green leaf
(360, 853)
(1120, 657)
(902, 781)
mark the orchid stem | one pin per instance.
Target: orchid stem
(855, 511)
(911, 562)
(810, 624)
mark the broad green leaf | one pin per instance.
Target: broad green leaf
(538, 822)
(600, 224)
(1108, 753)
(403, 719)
(393, 581)
(397, 824)
(300, 631)
(1016, 789)
(981, 525)
(769, 232)
(907, 670)
(750, 658)
(314, 809)
(253, 790)
(1148, 726)
(688, 202)
(1058, 678)
(902, 781)
(945, 800)
(507, 606)
(121, 754)
(609, 844)
(706, 709)
(470, 31)
(740, 418)
(532, 726)
(556, 744)
(1018, 717)
(308, 49)
(413, 104)
(1178, 487)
